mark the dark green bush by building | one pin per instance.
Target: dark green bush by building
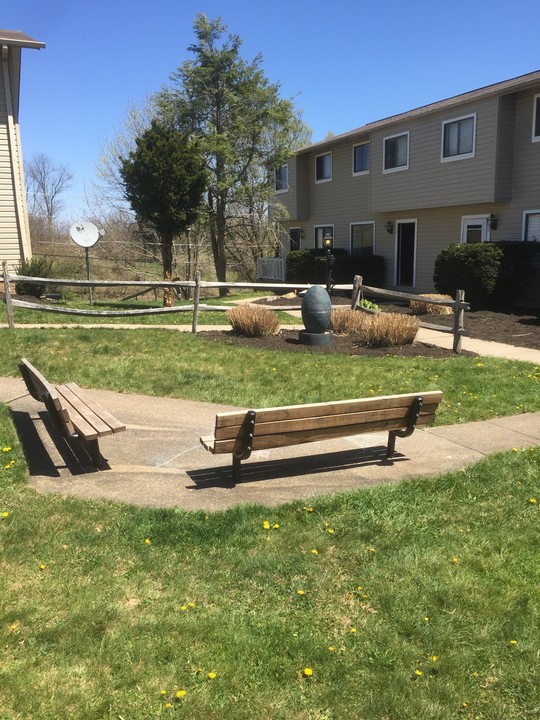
(491, 274)
(309, 266)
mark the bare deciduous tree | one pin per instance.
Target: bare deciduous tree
(46, 181)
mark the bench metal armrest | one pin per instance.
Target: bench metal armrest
(414, 414)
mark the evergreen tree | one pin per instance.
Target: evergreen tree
(164, 179)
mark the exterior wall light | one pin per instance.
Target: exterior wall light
(328, 242)
(492, 222)
(389, 227)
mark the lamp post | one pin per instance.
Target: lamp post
(328, 243)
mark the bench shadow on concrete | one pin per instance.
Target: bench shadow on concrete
(268, 469)
(38, 455)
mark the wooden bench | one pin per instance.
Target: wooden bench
(73, 414)
(241, 432)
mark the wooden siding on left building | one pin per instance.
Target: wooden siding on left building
(14, 230)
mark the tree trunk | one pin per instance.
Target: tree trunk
(166, 258)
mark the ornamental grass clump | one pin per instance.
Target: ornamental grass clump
(422, 308)
(253, 321)
(389, 329)
(348, 322)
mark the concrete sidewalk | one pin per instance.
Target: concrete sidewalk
(159, 461)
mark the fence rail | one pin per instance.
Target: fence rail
(458, 304)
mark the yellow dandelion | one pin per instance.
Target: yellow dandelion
(308, 672)
(168, 705)
(163, 692)
(418, 673)
(532, 501)
(465, 704)
(181, 693)
(7, 449)
(426, 618)
(353, 630)
(513, 642)
(330, 530)
(42, 566)
(434, 658)
(266, 525)
(5, 514)
(300, 592)
(309, 508)
(331, 648)
(276, 526)
(191, 604)
(183, 608)
(314, 551)
(147, 541)
(212, 675)
(455, 560)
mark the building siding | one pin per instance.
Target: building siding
(501, 179)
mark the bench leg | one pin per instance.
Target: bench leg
(236, 470)
(391, 446)
(92, 448)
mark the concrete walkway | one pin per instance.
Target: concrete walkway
(159, 461)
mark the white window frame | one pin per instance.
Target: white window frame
(360, 172)
(475, 219)
(400, 168)
(460, 156)
(322, 225)
(536, 110)
(285, 189)
(524, 221)
(326, 179)
(361, 222)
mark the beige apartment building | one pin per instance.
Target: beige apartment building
(14, 232)
(466, 169)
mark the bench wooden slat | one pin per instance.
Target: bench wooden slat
(266, 442)
(347, 419)
(88, 424)
(93, 414)
(235, 417)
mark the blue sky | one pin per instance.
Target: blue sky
(345, 62)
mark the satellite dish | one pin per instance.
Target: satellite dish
(84, 234)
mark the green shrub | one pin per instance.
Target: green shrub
(36, 267)
(253, 321)
(515, 272)
(473, 268)
(309, 266)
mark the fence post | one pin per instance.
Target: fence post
(459, 312)
(9, 305)
(357, 283)
(196, 295)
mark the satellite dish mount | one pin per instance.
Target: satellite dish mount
(86, 235)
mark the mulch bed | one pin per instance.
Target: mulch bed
(517, 327)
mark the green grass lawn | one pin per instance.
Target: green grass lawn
(403, 602)
(417, 600)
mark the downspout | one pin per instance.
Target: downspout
(17, 171)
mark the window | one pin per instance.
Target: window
(396, 152)
(362, 238)
(361, 159)
(323, 167)
(458, 138)
(536, 119)
(474, 229)
(531, 225)
(320, 232)
(282, 178)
